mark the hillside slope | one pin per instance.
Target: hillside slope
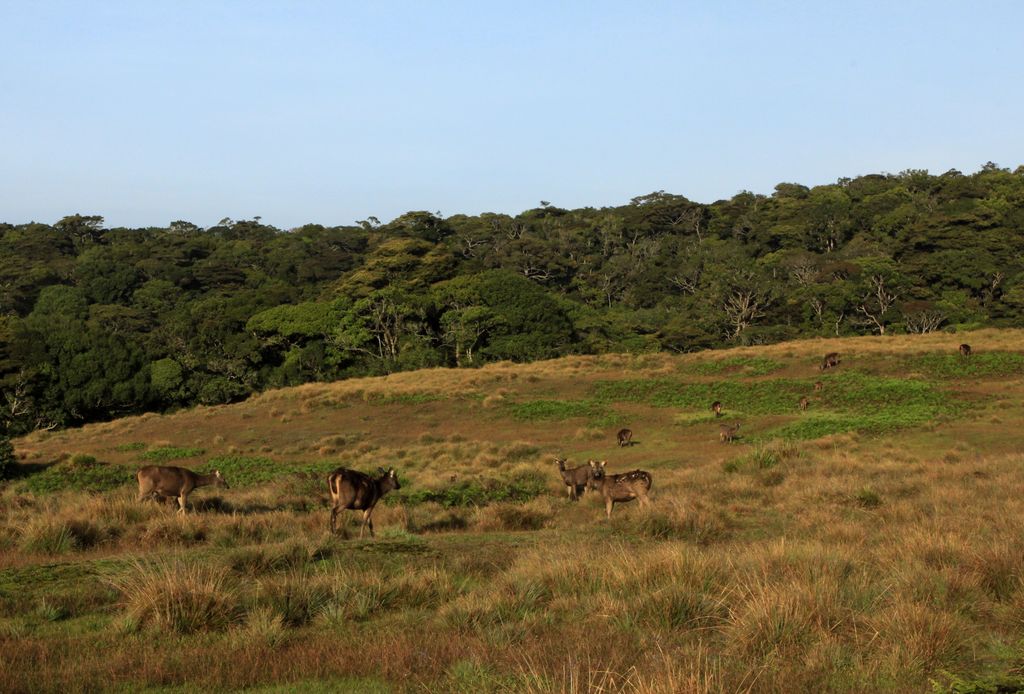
(872, 542)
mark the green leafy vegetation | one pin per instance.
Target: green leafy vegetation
(82, 472)
(97, 320)
(474, 492)
(165, 454)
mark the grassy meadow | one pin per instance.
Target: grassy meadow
(874, 542)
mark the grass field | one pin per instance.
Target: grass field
(874, 542)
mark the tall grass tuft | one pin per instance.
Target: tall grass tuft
(178, 596)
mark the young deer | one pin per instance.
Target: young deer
(727, 432)
(818, 385)
(625, 437)
(617, 489)
(965, 349)
(716, 407)
(161, 482)
(354, 490)
(575, 478)
(830, 361)
(804, 402)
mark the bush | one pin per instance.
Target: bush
(6, 458)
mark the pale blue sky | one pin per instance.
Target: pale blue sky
(146, 112)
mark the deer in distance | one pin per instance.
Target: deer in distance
(169, 481)
(818, 385)
(575, 478)
(727, 432)
(359, 492)
(620, 488)
(716, 407)
(804, 402)
(625, 437)
(830, 361)
(965, 349)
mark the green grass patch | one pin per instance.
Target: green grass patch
(249, 470)
(474, 492)
(164, 454)
(404, 398)
(80, 473)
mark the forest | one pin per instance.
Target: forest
(98, 322)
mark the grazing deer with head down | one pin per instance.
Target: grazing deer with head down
(804, 402)
(727, 432)
(575, 478)
(354, 490)
(169, 481)
(716, 407)
(830, 361)
(965, 349)
(625, 437)
(620, 488)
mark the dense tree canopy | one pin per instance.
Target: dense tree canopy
(98, 322)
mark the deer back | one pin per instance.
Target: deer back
(167, 480)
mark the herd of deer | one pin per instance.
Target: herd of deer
(357, 491)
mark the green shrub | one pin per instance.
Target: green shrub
(7, 461)
(164, 454)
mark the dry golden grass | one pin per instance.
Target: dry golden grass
(854, 562)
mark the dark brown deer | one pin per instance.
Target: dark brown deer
(727, 432)
(804, 402)
(716, 407)
(818, 385)
(965, 349)
(625, 437)
(169, 481)
(359, 492)
(575, 478)
(620, 488)
(830, 361)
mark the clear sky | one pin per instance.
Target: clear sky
(151, 111)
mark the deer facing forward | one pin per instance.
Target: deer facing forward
(575, 478)
(169, 481)
(620, 488)
(359, 492)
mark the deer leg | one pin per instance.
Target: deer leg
(182, 498)
(366, 517)
(369, 521)
(608, 503)
(334, 515)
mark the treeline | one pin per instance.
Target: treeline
(97, 322)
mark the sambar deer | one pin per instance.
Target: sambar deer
(625, 437)
(965, 349)
(804, 402)
(727, 432)
(359, 492)
(818, 385)
(575, 478)
(170, 481)
(620, 488)
(716, 407)
(830, 361)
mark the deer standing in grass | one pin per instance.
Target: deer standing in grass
(620, 488)
(359, 492)
(575, 478)
(804, 402)
(830, 361)
(965, 349)
(818, 385)
(625, 437)
(727, 432)
(716, 407)
(169, 481)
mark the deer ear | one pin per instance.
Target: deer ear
(603, 463)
